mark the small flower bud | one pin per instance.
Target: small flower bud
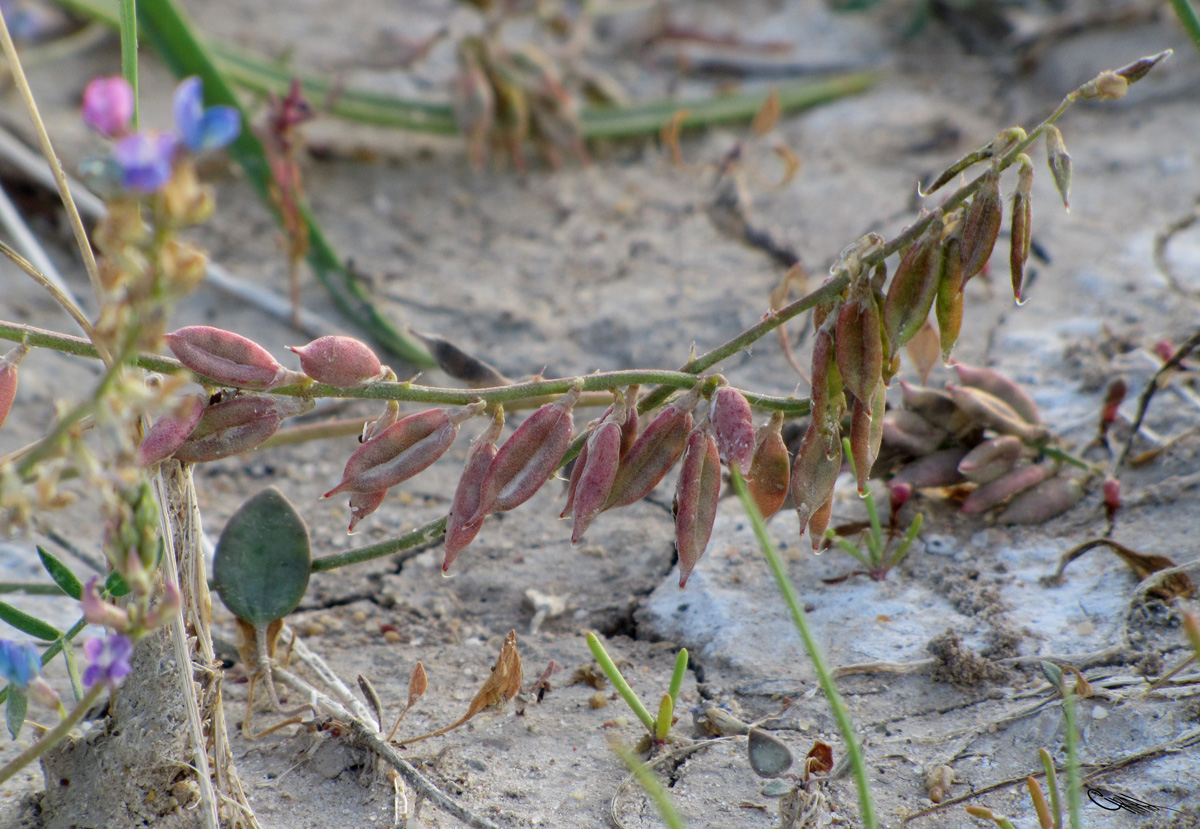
(991, 459)
(981, 226)
(696, 495)
(339, 361)
(170, 431)
(1022, 226)
(770, 469)
(403, 450)
(654, 452)
(108, 106)
(1107, 85)
(898, 495)
(8, 379)
(1043, 501)
(1112, 498)
(996, 492)
(732, 421)
(529, 457)
(1137, 70)
(228, 358)
(913, 289)
(460, 529)
(99, 612)
(1060, 163)
(1113, 397)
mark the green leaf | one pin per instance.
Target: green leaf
(25, 623)
(115, 586)
(14, 711)
(62, 575)
(263, 559)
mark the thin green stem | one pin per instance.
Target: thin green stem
(1051, 785)
(622, 687)
(681, 664)
(824, 677)
(1187, 16)
(1067, 457)
(129, 51)
(1074, 800)
(651, 785)
(413, 538)
(54, 735)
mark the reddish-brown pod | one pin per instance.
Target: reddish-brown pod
(770, 470)
(696, 495)
(593, 476)
(981, 226)
(402, 450)
(733, 425)
(529, 457)
(228, 358)
(339, 361)
(230, 428)
(814, 474)
(997, 385)
(460, 529)
(170, 431)
(8, 379)
(859, 341)
(1049, 499)
(913, 288)
(996, 492)
(654, 452)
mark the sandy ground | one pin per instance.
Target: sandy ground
(616, 265)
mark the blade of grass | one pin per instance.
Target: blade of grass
(173, 37)
(650, 784)
(1074, 804)
(614, 676)
(800, 619)
(1187, 16)
(129, 51)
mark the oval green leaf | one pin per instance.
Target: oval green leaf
(263, 559)
(25, 623)
(67, 581)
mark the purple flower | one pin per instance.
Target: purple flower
(203, 129)
(108, 106)
(145, 159)
(108, 658)
(20, 662)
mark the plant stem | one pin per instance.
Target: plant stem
(1187, 16)
(1074, 805)
(651, 785)
(129, 51)
(622, 687)
(800, 619)
(413, 538)
(54, 735)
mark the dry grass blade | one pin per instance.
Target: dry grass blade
(1143, 565)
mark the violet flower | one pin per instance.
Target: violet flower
(108, 106)
(20, 662)
(145, 159)
(108, 658)
(203, 129)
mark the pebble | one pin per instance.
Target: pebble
(392, 637)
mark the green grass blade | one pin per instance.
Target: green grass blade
(67, 581)
(651, 785)
(173, 37)
(129, 51)
(681, 665)
(1052, 785)
(614, 676)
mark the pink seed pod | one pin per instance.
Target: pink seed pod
(363, 504)
(339, 361)
(228, 359)
(814, 474)
(997, 385)
(230, 428)
(913, 288)
(898, 496)
(936, 407)
(733, 423)
(616, 414)
(170, 431)
(1112, 498)
(403, 450)
(859, 341)
(770, 469)
(1046, 500)
(1000, 490)
(696, 495)
(991, 459)
(908, 432)
(1022, 227)
(981, 226)
(991, 412)
(950, 301)
(529, 457)
(593, 477)
(938, 468)
(8, 379)
(459, 530)
(860, 444)
(827, 399)
(654, 452)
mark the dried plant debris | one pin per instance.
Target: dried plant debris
(959, 665)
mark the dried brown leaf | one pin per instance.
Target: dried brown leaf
(819, 759)
(924, 349)
(1143, 565)
(768, 114)
(417, 684)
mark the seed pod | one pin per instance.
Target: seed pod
(981, 226)
(913, 289)
(732, 421)
(948, 308)
(460, 530)
(815, 472)
(860, 444)
(696, 496)
(170, 431)
(936, 407)
(997, 385)
(1114, 395)
(593, 477)
(1044, 501)
(770, 469)
(231, 427)
(827, 400)
(339, 361)
(363, 504)
(228, 358)
(1006, 486)
(529, 457)
(402, 450)
(991, 412)
(908, 432)
(991, 459)
(8, 379)
(1137, 70)
(937, 469)
(859, 341)
(819, 523)
(1060, 163)
(1112, 498)
(1022, 227)
(654, 452)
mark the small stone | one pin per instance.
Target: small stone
(359, 617)
(314, 629)
(1099, 713)
(391, 637)
(598, 700)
